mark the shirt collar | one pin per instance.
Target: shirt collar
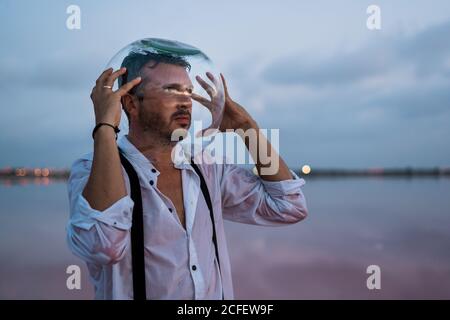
(180, 153)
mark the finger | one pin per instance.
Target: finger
(127, 87)
(113, 76)
(201, 100)
(212, 78)
(225, 88)
(210, 90)
(103, 76)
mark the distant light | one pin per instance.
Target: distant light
(306, 169)
(37, 172)
(45, 172)
(21, 172)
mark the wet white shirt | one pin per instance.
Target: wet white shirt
(180, 263)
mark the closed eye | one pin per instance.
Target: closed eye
(171, 89)
(177, 89)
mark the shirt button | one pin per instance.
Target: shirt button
(154, 170)
(194, 267)
(151, 182)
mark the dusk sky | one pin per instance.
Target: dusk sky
(342, 95)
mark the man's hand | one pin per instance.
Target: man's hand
(106, 101)
(106, 184)
(233, 116)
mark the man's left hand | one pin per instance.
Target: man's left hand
(234, 116)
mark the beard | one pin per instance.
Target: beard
(154, 124)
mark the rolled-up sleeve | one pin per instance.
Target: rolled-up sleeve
(96, 236)
(247, 198)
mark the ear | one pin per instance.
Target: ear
(130, 104)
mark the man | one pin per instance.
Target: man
(181, 261)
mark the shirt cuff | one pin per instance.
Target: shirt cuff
(284, 187)
(118, 215)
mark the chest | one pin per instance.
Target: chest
(170, 184)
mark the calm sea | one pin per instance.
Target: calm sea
(400, 225)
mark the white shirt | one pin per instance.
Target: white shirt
(102, 238)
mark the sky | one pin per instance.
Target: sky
(342, 96)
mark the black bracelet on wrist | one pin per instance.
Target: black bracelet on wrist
(116, 129)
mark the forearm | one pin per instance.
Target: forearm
(106, 184)
(269, 164)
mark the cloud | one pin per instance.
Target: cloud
(334, 106)
(57, 72)
(340, 69)
(428, 52)
(386, 103)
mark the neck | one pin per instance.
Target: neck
(154, 147)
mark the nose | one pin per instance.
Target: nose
(184, 103)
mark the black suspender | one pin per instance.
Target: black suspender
(207, 197)
(137, 232)
(137, 227)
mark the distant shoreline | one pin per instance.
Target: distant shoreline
(381, 172)
(41, 175)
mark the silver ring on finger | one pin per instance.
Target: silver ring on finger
(107, 87)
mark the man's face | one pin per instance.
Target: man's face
(166, 98)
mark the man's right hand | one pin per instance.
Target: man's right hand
(106, 101)
(106, 184)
